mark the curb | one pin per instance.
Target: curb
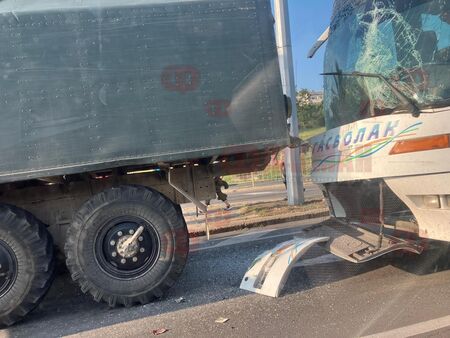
(260, 223)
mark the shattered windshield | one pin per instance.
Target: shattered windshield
(407, 41)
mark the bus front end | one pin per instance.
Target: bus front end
(385, 157)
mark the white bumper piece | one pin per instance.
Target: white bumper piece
(270, 270)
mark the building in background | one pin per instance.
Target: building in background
(306, 97)
(316, 97)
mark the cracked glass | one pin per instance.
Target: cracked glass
(407, 41)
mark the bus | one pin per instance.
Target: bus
(385, 157)
(383, 163)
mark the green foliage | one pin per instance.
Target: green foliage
(309, 115)
(306, 134)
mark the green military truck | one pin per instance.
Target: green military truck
(112, 114)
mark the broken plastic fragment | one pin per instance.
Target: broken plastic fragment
(222, 320)
(157, 332)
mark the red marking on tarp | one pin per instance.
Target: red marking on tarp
(180, 78)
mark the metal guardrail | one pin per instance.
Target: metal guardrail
(272, 173)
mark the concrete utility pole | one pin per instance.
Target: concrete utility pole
(292, 156)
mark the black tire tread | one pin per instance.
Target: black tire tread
(40, 243)
(131, 192)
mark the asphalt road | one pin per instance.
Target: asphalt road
(323, 297)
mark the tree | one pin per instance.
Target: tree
(309, 115)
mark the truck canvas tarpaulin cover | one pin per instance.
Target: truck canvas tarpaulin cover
(91, 85)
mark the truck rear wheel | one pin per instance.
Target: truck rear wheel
(26, 263)
(127, 245)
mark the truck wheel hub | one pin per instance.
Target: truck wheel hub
(122, 259)
(127, 251)
(8, 268)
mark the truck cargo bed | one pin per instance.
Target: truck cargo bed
(90, 85)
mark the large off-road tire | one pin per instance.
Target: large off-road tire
(27, 263)
(95, 245)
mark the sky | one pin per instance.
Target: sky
(309, 19)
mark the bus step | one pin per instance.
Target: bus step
(357, 243)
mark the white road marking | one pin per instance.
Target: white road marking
(244, 238)
(239, 240)
(414, 329)
(262, 193)
(200, 244)
(247, 238)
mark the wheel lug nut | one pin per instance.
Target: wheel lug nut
(141, 249)
(123, 261)
(140, 238)
(120, 233)
(112, 243)
(135, 259)
(114, 254)
(131, 232)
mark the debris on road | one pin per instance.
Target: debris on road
(157, 332)
(222, 320)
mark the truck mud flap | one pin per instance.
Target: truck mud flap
(357, 244)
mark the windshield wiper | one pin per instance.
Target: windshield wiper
(408, 103)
